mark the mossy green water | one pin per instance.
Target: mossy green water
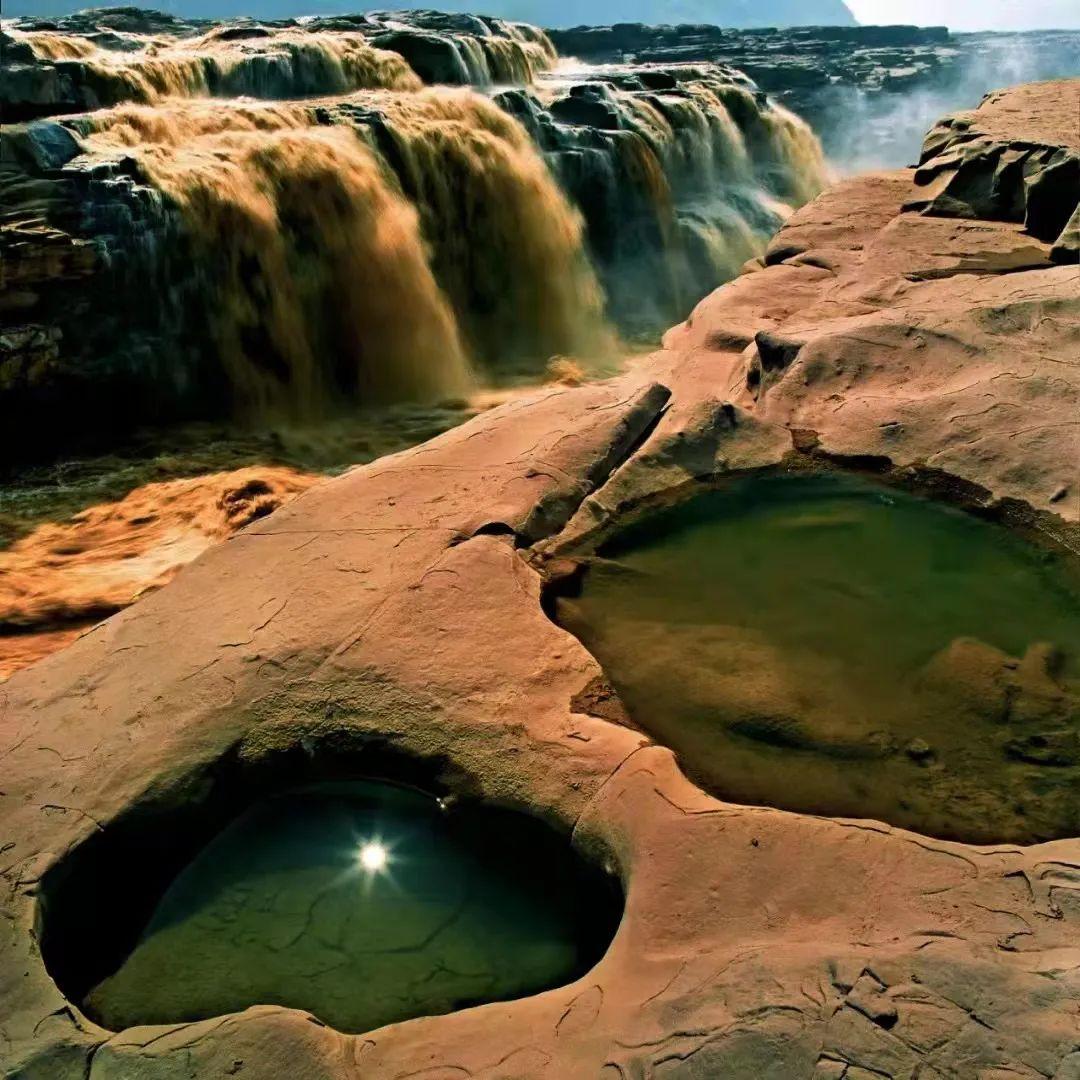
(363, 903)
(827, 645)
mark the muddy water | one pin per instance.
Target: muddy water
(286, 63)
(330, 283)
(81, 538)
(365, 904)
(827, 646)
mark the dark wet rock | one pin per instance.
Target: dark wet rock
(919, 750)
(128, 20)
(588, 106)
(77, 239)
(436, 59)
(1047, 748)
(458, 50)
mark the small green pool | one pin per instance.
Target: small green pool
(364, 903)
(827, 645)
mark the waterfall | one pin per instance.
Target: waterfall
(274, 219)
(281, 64)
(328, 273)
(48, 46)
(690, 171)
(507, 246)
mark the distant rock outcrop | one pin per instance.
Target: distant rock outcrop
(870, 92)
(733, 13)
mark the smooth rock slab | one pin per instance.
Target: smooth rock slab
(755, 943)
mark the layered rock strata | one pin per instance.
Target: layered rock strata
(937, 352)
(994, 162)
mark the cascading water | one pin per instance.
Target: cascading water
(328, 281)
(361, 238)
(506, 245)
(282, 64)
(701, 172)
(69, 73)
(312, 255)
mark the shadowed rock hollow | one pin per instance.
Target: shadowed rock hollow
(365, 903)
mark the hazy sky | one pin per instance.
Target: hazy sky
(971, 14)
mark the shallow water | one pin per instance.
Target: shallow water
(826, 645)
(290, 906)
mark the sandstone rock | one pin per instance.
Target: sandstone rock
(995, 163)
(886, 953)
(912, 328)
(678, 965)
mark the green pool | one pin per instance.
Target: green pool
(827, 645)
(364, 903)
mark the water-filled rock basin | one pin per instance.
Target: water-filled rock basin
(831, 646)
(364, 903)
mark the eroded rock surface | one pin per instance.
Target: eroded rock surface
(1015, 158)
(755, 943)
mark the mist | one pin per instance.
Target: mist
(864, 130)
